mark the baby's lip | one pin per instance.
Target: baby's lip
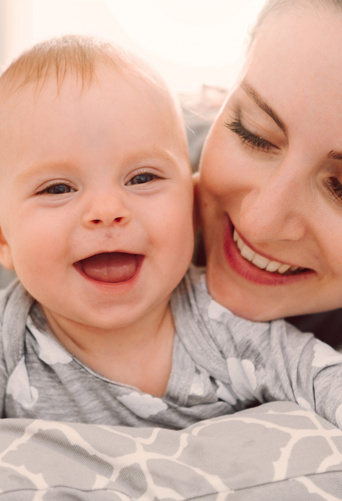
(110, 267)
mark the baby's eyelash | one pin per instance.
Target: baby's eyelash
(248, 137)
(142, 177)
(57, 188)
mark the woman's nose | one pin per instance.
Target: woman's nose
(276, 208)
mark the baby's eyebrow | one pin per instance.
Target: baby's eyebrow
(262, 104)
(44, 167)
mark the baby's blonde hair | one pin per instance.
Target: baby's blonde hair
(74, 55)
(80, 57)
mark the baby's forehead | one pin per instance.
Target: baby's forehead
(101, 75)
(50, 100)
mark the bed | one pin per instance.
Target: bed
(277, 451)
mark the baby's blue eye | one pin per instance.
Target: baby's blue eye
(57, 189)
(142, 179)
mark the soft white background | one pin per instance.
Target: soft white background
(192, 42)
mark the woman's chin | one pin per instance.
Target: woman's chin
(254, 301)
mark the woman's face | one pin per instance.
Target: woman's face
(271, 174)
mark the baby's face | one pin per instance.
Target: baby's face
(96, 198)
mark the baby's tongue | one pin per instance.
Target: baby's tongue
(110, 267)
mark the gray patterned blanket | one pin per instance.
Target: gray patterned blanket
(277, 451)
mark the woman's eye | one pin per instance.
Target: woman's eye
(335, 188)
(248, 137)
(142, 178)
(57, 189)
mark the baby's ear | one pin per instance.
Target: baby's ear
(5, 252)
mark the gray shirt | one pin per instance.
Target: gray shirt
(221, 364)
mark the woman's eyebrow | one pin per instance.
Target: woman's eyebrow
(262, 104)
(335, 155)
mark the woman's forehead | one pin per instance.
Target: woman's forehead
(299, 76)
(279, 7)
(299, 44)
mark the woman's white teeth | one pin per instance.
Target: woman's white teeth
(260, 261)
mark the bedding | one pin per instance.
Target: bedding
(277, 451)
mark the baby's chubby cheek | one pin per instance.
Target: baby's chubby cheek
(6, 258)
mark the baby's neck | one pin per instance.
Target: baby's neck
(139, 356)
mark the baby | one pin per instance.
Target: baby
(96, 203)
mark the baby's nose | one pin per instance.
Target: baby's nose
(107, 209)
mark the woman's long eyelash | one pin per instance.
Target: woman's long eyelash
(335, 188)
(248, 137)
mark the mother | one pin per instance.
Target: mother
(271, 170)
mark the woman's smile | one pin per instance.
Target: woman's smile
(257, 267)
(260, 261)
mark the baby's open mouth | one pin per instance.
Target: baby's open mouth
(110, 267)
(262, 262)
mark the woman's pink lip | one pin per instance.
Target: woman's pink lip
(252, 273)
